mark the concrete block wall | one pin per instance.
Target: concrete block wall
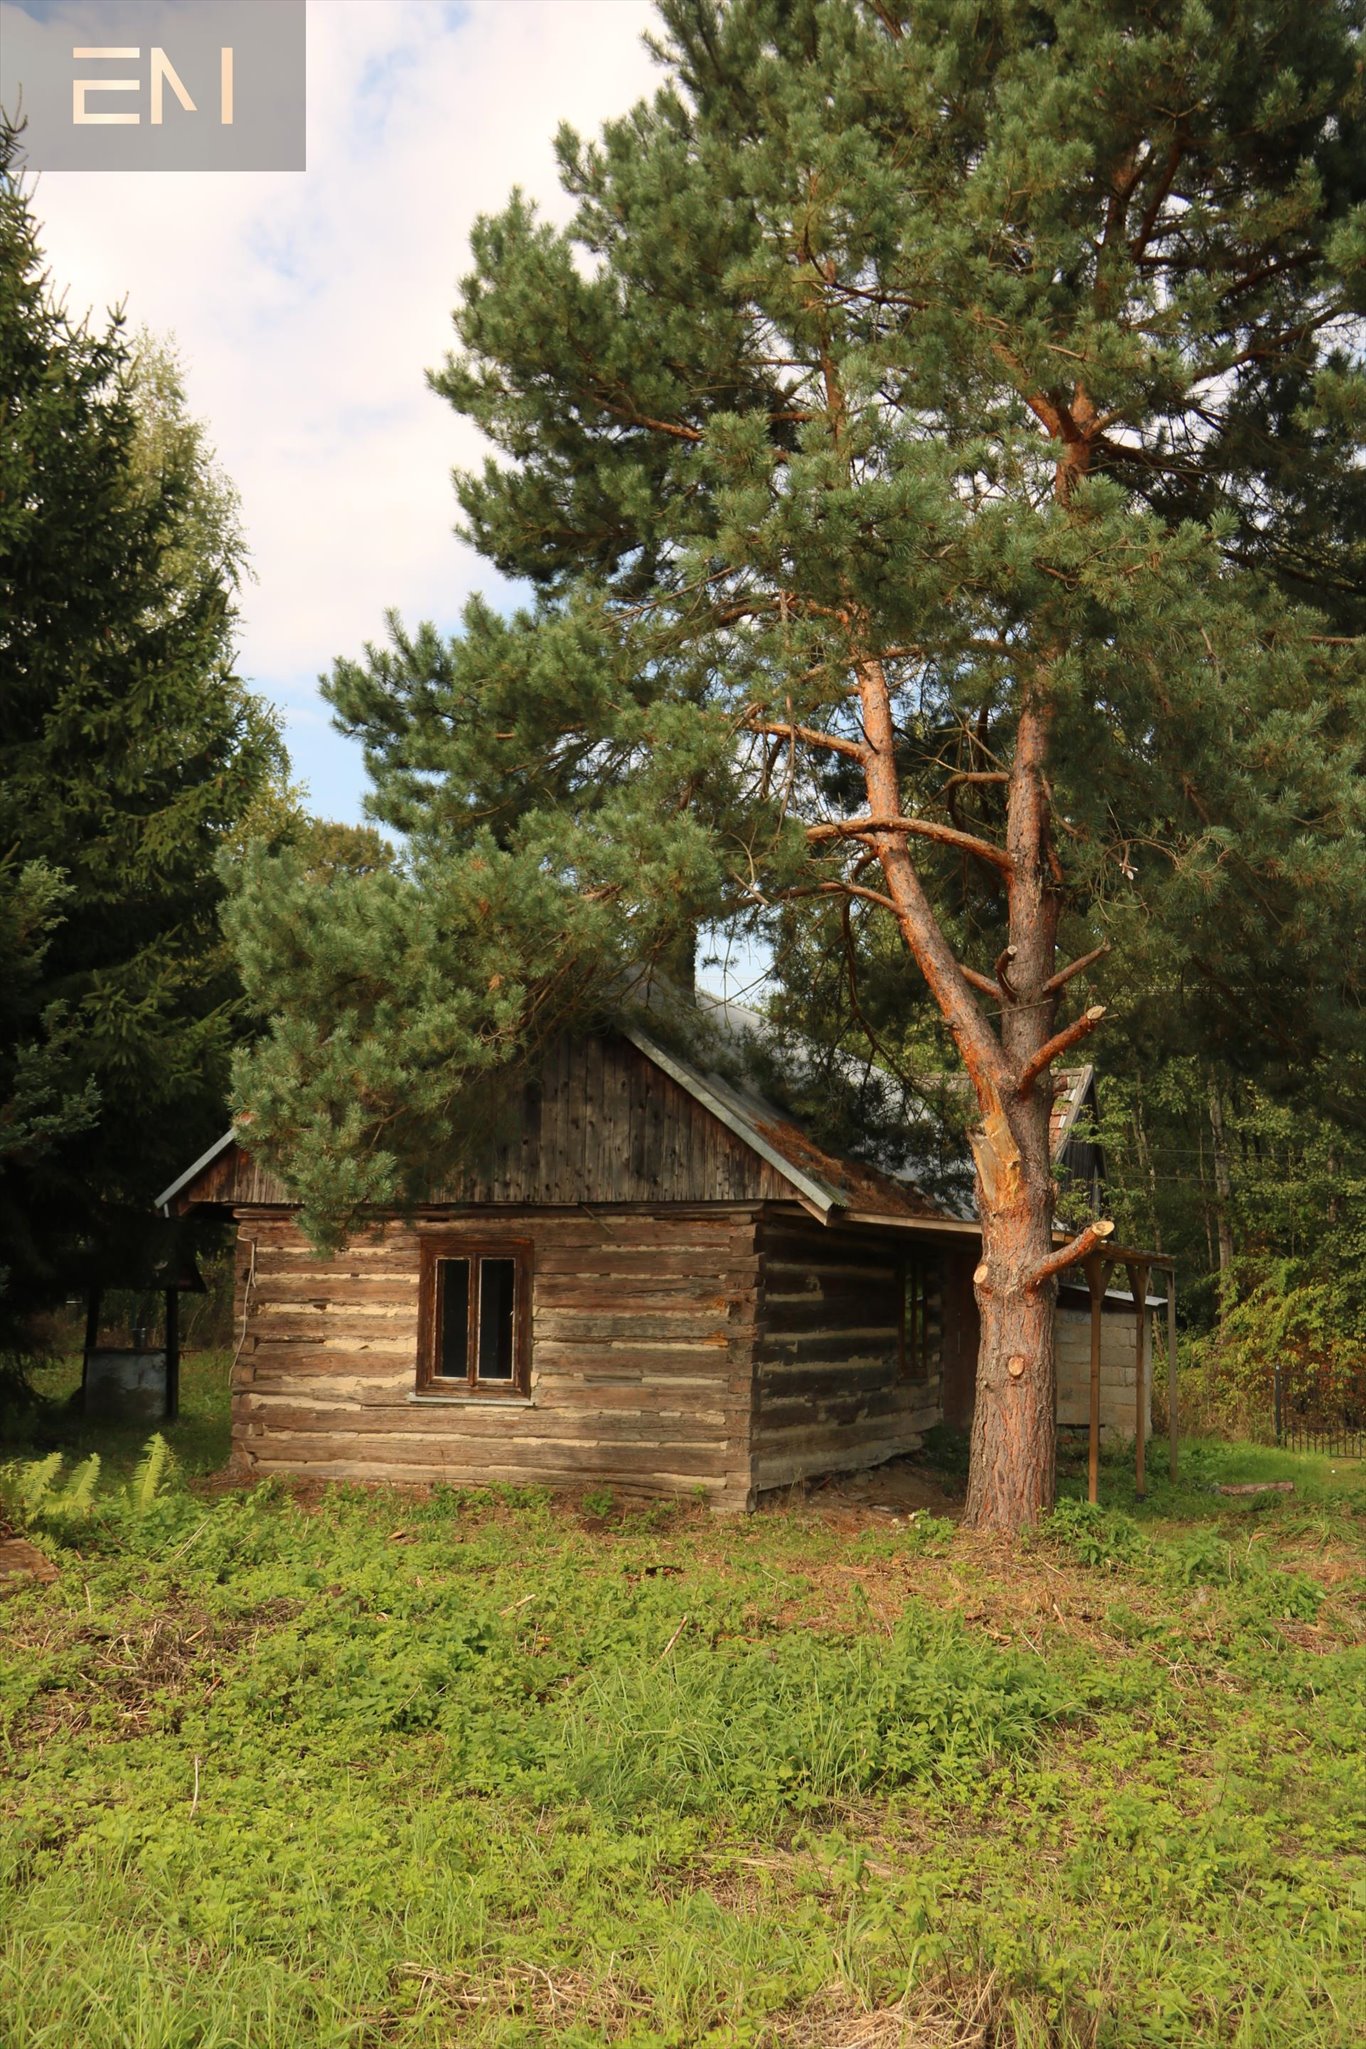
(1118, 1370)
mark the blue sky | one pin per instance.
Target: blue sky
(306, 309)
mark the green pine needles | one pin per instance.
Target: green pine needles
(129, 752)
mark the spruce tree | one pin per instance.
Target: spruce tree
(911, 446)
(128, 751)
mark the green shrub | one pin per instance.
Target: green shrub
(1093, 1535)
(1226, 1376)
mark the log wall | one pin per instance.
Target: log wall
(830, 1395)
(641, 1356)
(962, 1337)
(728, 1349)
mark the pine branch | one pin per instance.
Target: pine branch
(983, 983)
(846, 889)
(1070, 1255)
(975, 775)
(1059, 1044)
(924, 828)
(1139, 244)
(1076, 967)
(811, 736)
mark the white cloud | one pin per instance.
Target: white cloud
(307, 308)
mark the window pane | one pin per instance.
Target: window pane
(497, 1281)
(453, 1318)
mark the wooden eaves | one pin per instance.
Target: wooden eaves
(168, 1195)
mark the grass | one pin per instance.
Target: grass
(201, 1436)
(361, 1769)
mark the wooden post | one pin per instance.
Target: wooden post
(1171, 1368)
(172, 1354)
(92, 1338)
(1097, 1280)
(1138, 1283)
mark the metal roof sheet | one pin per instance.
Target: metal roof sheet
(219, 1145)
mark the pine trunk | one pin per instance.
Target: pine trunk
(1014, 1426)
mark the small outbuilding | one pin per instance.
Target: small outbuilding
(659, 1283)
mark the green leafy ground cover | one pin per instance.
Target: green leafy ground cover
(367, 1768)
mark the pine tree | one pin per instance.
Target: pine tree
(128, 750)
(910, 445)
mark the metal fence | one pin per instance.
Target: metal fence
(1311, 1418)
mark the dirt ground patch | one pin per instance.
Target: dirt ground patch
(858, 1501)
(965, 2017)
(21, 1563)
(137, 1675)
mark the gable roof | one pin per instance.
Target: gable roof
(825, 1183)
(1076, 1087)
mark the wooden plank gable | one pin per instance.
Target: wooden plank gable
(601, 1124)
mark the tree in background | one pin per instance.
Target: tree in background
(128, 752)
(910, 445)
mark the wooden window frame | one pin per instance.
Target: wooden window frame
(913, 1274)
(471, 1388)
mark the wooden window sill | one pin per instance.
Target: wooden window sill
(475, 1401)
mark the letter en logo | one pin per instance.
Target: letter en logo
(80, 114)
(163, 73)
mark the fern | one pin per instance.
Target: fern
(38, 1493)
(78, 1497)
(153, 1470)
(38, 1496)
(36, 1486)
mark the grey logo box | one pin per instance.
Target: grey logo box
(156, 85)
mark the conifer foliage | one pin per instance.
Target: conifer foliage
(910, 446)
(128, 750)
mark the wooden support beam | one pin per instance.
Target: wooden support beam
(1098, 1273)
(172, 1354)
(1171, 1369)
(1138, 1284)
(92, 1339)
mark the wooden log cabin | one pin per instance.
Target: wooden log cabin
(660, 1284)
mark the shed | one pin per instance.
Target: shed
(659, 1283)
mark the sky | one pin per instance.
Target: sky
(307, 307)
